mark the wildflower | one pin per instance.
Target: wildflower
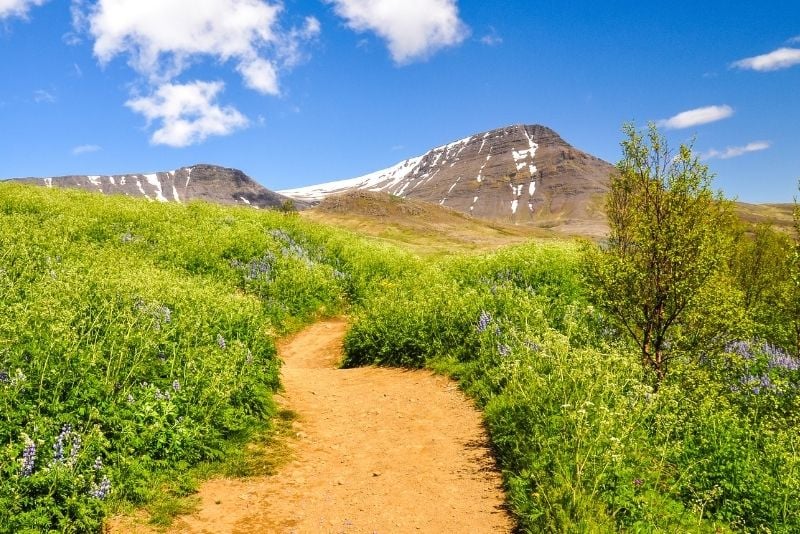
(98, 464)
(249, 358)
(503, 349)
(58, 446)
(533, 347)
(28, 457)
(131, 400)
(4, 378)
(740, 348)
(127, 237)
(101, 491)
(221, 341)
(166, 314)
(757, 384)
(779, 359)
(483, 321)
(176, 385)
(638, 482)
(76, 448)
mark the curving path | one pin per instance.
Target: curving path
(377, 451)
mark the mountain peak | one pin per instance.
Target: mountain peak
(523, 173)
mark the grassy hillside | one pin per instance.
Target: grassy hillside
(137, 341)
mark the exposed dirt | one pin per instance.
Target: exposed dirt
(377, 450)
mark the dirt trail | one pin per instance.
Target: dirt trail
(378, 450)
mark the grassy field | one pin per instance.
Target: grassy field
(137, 352)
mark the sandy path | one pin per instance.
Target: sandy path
(378, 450)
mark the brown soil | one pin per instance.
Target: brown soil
(377, 450)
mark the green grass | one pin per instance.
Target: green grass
(584, 442)
(149, 329)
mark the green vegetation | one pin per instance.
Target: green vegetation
(588, 438)
(137, 353)
(136, 341)
(669, 236)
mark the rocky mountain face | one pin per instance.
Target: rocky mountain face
(205, 182)
(519, 174)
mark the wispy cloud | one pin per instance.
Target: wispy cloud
(736, 151)
(491, 38)
(413, 29)
(40, 96)
(795, 39)
(162, 39)
(696, 117)
(188, 113)
(17, 8)
(85, 149)
(782, 58)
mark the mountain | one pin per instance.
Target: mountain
(517, 174)
(205, 182)
(421, 226)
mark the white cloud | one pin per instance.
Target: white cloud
(736, 151)
(188, 113)
(161, 39)
(782, 58)
(696, 117)
(795, 39)
(17, 8)
(413, 29)
(86, 149)
(40, 96)
(491, 38)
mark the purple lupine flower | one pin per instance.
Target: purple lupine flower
(741, 348)
(28, 458)
(483, 321)
(532, 346)
(4, 377)
(58, 446)
(779, 359)
(176, 386)
(221, 341)
(101, 491)
(503, 349)
(98, 464)
(76, 448)
(757, 384)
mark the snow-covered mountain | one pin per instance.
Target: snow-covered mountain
(206, 182)
(521, 173)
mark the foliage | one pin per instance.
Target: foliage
(668, 239)
(136, 340)
(584, 441)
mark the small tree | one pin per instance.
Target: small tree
(669, 236)
(794, 297)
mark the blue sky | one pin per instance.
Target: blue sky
(307, 91)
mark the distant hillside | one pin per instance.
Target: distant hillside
(518, 174)
(425, 227)
(205, 182)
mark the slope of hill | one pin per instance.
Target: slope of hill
(205, 182)
(424, 227)
(517, 174)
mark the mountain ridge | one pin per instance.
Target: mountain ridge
(201, 181)
(523, 174)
